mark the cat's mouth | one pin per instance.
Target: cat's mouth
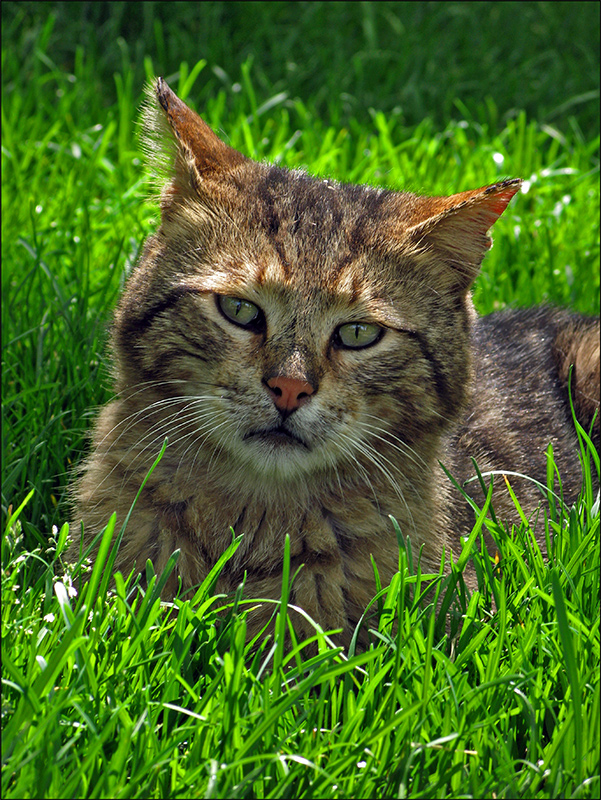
(279, 435)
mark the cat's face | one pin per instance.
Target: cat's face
(298, 353)
(307, 324)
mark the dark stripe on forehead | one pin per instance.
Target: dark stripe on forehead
(268, 215)
(369, 218)
(289, 198)
(283, 260)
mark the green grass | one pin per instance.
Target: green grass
(107, 694)
(114, 695)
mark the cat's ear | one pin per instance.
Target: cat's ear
(181, 148)
(451, 233)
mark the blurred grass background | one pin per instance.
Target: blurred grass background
(431, 97)
(414, 59)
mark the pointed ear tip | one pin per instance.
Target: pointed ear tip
(163, 92)
(161, 87)
(505, 188)
(154, 89)
(498, 195)
(166, 97)
(512, 183)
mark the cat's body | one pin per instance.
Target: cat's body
(311, 351)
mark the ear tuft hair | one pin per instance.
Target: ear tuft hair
(180, 146)
(158, 140)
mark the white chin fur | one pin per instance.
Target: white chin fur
(278, 460)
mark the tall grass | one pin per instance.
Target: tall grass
(110, 693)
(113, 694)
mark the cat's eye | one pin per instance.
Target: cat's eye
(358, 334)
(240, 312)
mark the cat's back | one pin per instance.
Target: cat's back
(520, 402)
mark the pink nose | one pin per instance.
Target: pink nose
(288, 393)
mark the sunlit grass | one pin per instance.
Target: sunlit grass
(111, 693)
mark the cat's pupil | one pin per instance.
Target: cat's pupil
(240, 312)
(358, 334)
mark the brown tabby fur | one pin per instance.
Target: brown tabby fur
(364, 437)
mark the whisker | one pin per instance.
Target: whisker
(352, 457)
(402, 447)
(132, 419)
(376, 459)
(157, 432)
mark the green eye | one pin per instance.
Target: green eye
(358, 334)
(240, 312)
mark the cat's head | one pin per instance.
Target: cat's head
(308, 324)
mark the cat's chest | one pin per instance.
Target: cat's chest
(325, 534)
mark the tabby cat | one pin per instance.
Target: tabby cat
(311, 351)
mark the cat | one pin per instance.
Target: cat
(312, 352)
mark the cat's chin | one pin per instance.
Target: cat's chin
(276, 437)
(278, 454)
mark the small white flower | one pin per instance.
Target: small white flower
(68, 584)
